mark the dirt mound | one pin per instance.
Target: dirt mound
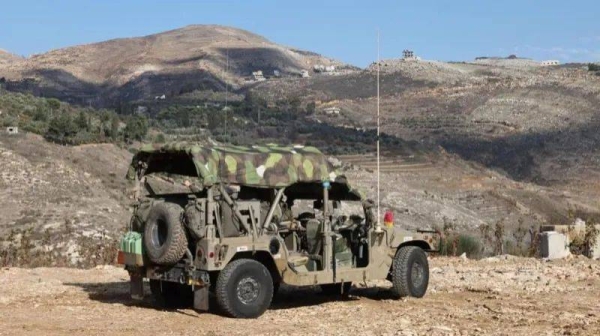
(494, 296)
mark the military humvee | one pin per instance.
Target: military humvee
(239, 221)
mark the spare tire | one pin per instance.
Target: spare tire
(164, 236)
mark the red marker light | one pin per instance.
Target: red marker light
(388, 218)
(121, 258)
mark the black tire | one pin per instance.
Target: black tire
(164, 236)
(410, 272)
(336, 289)
(171, 295)
(244, 289)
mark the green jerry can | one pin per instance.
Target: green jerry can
(130, 251)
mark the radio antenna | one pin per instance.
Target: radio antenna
(378, 222)
(227, 86)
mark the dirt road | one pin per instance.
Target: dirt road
(501, 295)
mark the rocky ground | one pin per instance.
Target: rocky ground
(58, 199)
(495, 296)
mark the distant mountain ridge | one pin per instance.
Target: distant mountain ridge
(8, 58)
(172, 62)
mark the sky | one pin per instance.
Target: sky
(459, 30)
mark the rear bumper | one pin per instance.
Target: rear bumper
(199, 280)
(178, 273)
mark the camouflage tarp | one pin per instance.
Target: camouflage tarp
(261, 166)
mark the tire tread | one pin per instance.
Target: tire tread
(221, 292)
(178, 242)
(400, 273)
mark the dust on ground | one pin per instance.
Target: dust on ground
(494, 296)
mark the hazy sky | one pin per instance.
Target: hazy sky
(346, 30)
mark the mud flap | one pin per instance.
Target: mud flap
(201, 298)
(136, 287)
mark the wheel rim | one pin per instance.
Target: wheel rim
(417, 274)
(159, 233)
(247, 290)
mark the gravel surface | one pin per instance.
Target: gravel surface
(495, 296)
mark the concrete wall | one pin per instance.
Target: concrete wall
(573, 231)
(553, 245)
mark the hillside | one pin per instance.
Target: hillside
(466, 144)
(533, 123)
(169, 63)
(7, 58)
(60, 205)
(521, 139)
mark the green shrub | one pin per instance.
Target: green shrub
(136, 128)
(58, 122)
(457, 244)
(160, 138)
(593, 67)
(61, 129)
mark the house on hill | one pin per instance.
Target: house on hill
(550, 63)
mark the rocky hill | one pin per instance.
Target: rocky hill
(7, 58)
(60, 205)
(534, 123)
(197, 57)
(468, 143)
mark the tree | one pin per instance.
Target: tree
(40, 115)
(114, 126)
(54, 104)
(294, 103)
(311, 108)
(61, 129)
(82, 122)
(135, 128)
(593, 67)
(160, 138)
(215, 120)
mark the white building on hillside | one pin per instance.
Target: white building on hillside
(334, 110)
(12, 130)
(409, 55)
(550, 63)
(258, 76)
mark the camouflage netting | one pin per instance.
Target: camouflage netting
(260, 166)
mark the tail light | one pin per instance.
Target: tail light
(388, 218)
(121, 258)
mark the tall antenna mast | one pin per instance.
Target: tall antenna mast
(378, 223)
(226, 86)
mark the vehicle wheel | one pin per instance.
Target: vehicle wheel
(336, 289)
(164, 236)
(244, 288)
(171, 295)
(410, 272)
